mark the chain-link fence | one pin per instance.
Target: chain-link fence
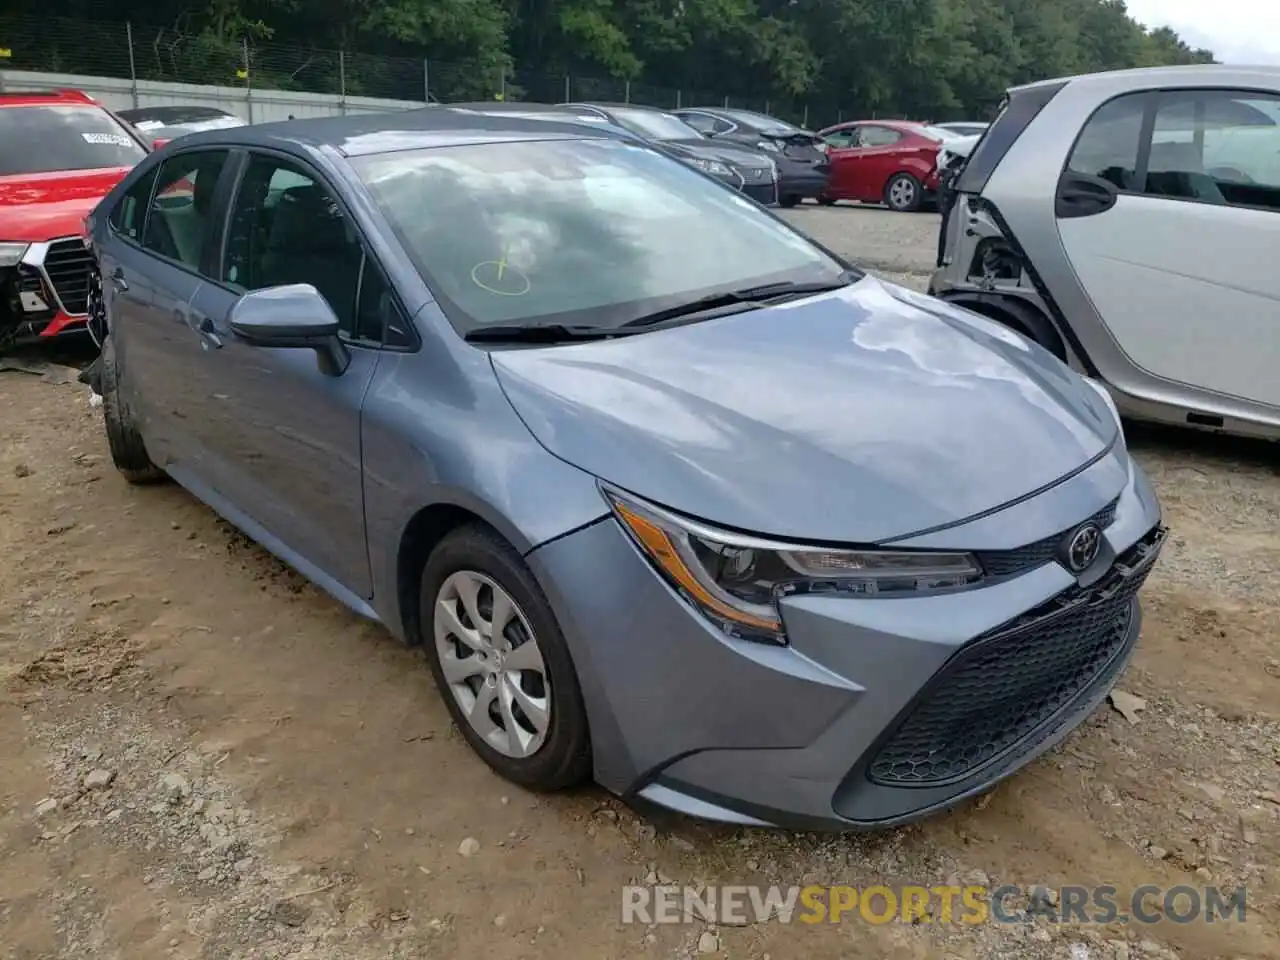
(135, 52)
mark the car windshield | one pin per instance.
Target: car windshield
(656, 125)
(596, 232)
(44, 139)
(941, 133)
(177, 127)
(763, 123)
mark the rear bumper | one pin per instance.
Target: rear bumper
(805, 182)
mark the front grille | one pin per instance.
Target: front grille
(67, 264)
(1006, 563)
(1001, 688)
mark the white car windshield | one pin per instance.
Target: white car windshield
(594, 232)
(941, 133)
(45, 139)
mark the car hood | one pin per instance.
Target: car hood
(859, 416)
(43, 206)
(704, 149)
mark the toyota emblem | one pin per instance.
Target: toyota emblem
(1082, 547)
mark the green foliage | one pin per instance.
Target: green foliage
(917, 58)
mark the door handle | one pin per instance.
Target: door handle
(1080, 195)
(117, 279)
(208, 332)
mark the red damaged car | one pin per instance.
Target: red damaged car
(60, 153)
(893, 162)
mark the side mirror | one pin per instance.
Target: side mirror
(292, 316)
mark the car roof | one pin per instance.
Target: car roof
(44, 98)
(172, 114)
(454, 124)
(1143, 76)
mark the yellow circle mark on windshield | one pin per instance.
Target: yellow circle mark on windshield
(498, 276)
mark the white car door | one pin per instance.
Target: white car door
(1180, 263)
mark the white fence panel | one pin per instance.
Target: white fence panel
(256, 106)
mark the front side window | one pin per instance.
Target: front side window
(701, 122)
(46, 139)
(180, 224)
(596, 232)
(1216, 146)
(286, 228)
(1108, 145)
(841, 139)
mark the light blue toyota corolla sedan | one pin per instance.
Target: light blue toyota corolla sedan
(673, 497)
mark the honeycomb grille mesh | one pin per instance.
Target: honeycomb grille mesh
(1001, 688)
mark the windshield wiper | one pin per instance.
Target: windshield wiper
(539, 333)
(750, 296)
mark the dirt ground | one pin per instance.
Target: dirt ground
(202, 756)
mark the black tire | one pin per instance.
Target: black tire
(903, 193)
(827, 201)
(128, 452)
(564, 758)
(789, 200)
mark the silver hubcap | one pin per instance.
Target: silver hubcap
(902, 192)
(492, 663)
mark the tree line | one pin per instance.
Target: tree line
(919, 58)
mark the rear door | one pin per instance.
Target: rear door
(881, 158)
(286, 433)
(1168, 211)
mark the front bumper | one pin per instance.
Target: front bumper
(843, 729)
(46, 295)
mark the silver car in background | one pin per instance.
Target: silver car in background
(1124, 221)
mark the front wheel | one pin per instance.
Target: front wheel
(903, 193)
(827, 201)
(128, 452)
(501, 663)
(789, 200)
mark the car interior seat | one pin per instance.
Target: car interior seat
(1175, 170)
(309, 242)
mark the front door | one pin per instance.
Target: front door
(286, 434)
(1171, 238)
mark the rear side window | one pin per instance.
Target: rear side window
(879, 137)
(45, 139)
(1110, 142)
(130, 213)
(1021, 107)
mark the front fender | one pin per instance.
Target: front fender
(459, 445)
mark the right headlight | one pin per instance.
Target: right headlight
(736, 581)
(713, 167)
(11, 253)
